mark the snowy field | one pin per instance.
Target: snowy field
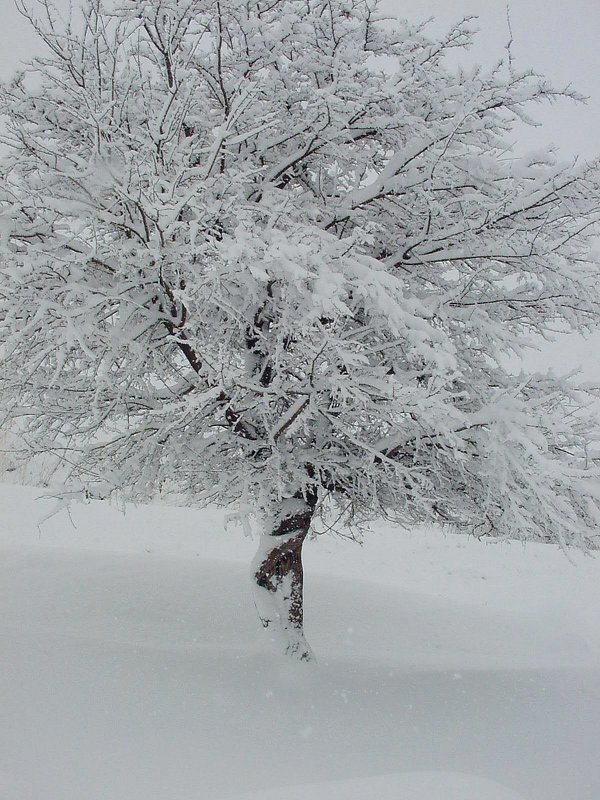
(133, 667)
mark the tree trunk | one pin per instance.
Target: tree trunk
(278, 579)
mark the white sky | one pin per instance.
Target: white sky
(559, 38)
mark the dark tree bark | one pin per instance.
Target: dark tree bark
(279, 578)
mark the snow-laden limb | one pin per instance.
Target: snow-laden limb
(240, 263)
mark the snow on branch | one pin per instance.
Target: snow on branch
(241, 262)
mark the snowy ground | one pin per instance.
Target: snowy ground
(133, 667)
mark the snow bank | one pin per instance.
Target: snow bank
(407, 786)
(133, 667)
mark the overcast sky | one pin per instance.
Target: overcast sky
(560, 38)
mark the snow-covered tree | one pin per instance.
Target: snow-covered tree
(277, 255)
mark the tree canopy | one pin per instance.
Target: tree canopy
(278, 254)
